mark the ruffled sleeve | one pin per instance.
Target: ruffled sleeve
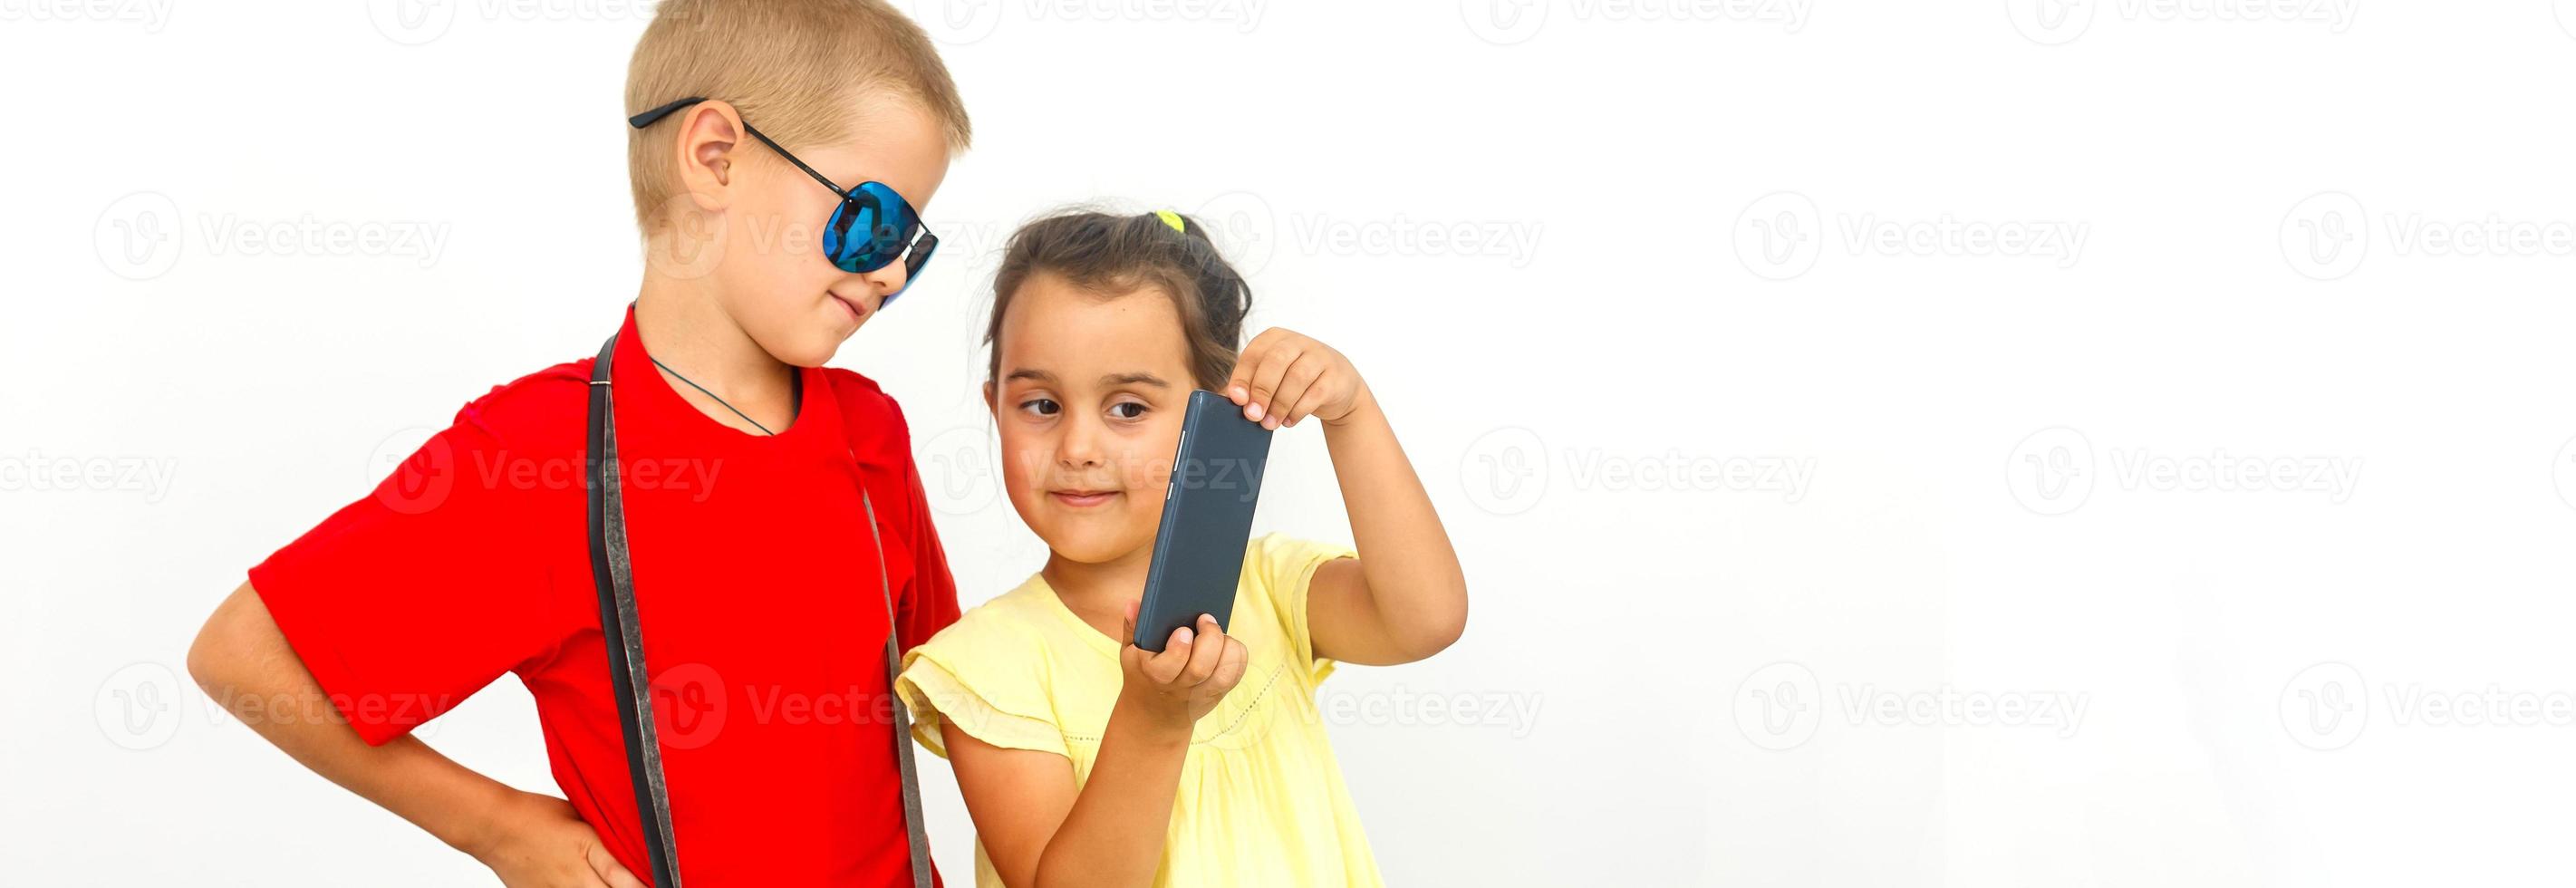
(1284, 567)
(985, 684)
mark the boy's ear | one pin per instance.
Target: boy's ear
(709, 134)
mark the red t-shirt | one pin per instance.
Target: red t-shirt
(755, 583)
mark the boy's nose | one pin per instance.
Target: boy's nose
(885, 282)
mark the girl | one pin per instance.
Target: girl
(1082, 757)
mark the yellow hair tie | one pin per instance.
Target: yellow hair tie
(1172, 219)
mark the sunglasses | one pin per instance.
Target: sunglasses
(870, 229)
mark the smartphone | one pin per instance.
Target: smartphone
(1207, 520)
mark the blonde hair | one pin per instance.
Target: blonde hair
(795, 68)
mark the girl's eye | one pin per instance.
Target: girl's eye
(1127, 410)
(1041, 406)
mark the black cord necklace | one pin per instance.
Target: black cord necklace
(798, 387)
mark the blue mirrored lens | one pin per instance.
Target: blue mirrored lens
(869, 229)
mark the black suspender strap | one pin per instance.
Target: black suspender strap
(614, 574)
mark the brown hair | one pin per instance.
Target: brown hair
(795, 66)
(1117, 255)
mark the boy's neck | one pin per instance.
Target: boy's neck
(688, 332)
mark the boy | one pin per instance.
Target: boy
(771, 506)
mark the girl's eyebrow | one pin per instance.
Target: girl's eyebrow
(1031, 374)
(1139, 378)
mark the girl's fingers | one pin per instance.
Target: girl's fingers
(1127, 626)
(1164, 667)
(1204, 659)
(1297, 392)
(1230, 666)
(1264, 381)
(1238, 385)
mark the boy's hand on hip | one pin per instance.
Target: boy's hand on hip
(539, 841)
(1284, 376)
(1184, 682)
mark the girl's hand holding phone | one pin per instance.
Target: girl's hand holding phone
(1284, 376)
(1184, 682)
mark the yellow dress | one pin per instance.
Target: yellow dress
(1261, 800)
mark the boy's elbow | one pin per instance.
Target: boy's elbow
(215, 658)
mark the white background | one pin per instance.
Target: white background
(2331, 239)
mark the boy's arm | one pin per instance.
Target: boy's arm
(244, 662)
(1405, 597)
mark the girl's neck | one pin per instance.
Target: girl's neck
(686, 331)
(1099, 592)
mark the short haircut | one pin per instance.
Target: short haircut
(797, 69)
